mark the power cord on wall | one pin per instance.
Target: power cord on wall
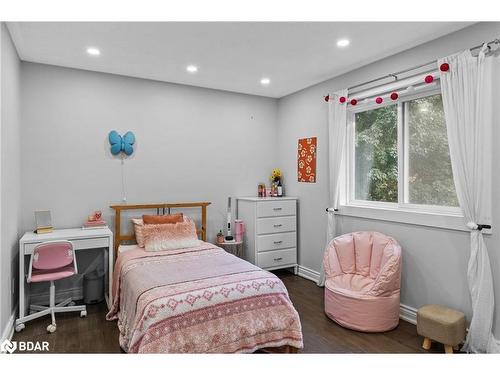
(124, 196)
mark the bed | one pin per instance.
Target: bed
(199, 299)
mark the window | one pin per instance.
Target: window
(430, 180)
(376, 155)
(398, 155)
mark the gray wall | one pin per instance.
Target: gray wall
(9, 175)
(193, 144)
(434, 260)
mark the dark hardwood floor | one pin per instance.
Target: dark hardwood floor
(322, 335)
(94, 334)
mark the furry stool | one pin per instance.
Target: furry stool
(441, 324)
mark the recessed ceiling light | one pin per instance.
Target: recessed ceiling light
(192, 68)
(343, 42)
(265, 81)
(93, 51)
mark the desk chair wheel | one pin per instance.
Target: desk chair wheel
(51, 328)
(20, 327)
(83, 314)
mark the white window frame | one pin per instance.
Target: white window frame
(402, 211)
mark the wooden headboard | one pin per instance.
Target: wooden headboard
(161, 208)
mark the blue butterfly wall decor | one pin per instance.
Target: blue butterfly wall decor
(121, 144)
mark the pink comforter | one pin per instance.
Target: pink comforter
(199, 300)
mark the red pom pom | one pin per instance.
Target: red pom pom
(444, 67)
(394, 96)
(429, 79)
(327, 98)
(342, 99)
(379, 100)
(354, 102)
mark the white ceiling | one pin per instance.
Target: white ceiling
(231, 56)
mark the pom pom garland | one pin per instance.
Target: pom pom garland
(444, 67)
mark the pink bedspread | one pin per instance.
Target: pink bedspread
(199, 300)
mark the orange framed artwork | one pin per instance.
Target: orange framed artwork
(306, 159)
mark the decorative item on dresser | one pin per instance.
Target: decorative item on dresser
(276, 179)
(270, 240)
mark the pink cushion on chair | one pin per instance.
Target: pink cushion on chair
(362, 248)
(363, 277)
(345, 253)
(57, 274)
(350, 283)
(380, 241)
(52, 261)
(52, 255)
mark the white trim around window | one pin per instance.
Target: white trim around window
(407, 216)
(401, 212)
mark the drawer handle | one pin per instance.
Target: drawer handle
(278, 242)
(278, 225)
(277, 208)
(278, 259)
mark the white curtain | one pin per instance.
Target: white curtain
(337, 124)
(466, 91)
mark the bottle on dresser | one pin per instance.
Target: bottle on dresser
(279, 189)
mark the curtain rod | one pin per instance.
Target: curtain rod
(395, 74)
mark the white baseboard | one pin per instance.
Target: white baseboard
(406, 313)
(308, 274)
(8, 330)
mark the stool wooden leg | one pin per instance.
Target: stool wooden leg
(427, 343)
(448, 349)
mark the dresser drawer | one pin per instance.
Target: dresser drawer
(276, 208)
(277, 258)
(276, 225)
(268, 242)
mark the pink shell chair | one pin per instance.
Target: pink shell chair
(363, 278)
(51, 261)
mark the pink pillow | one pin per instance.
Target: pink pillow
(163, 219)
(170, 236)
(139, 236)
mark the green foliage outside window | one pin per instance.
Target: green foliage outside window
(430, 178)
(376, 155)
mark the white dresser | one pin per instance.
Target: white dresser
(270, 240)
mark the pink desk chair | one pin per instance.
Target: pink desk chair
(51, 261)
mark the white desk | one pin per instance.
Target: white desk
(81, 239)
